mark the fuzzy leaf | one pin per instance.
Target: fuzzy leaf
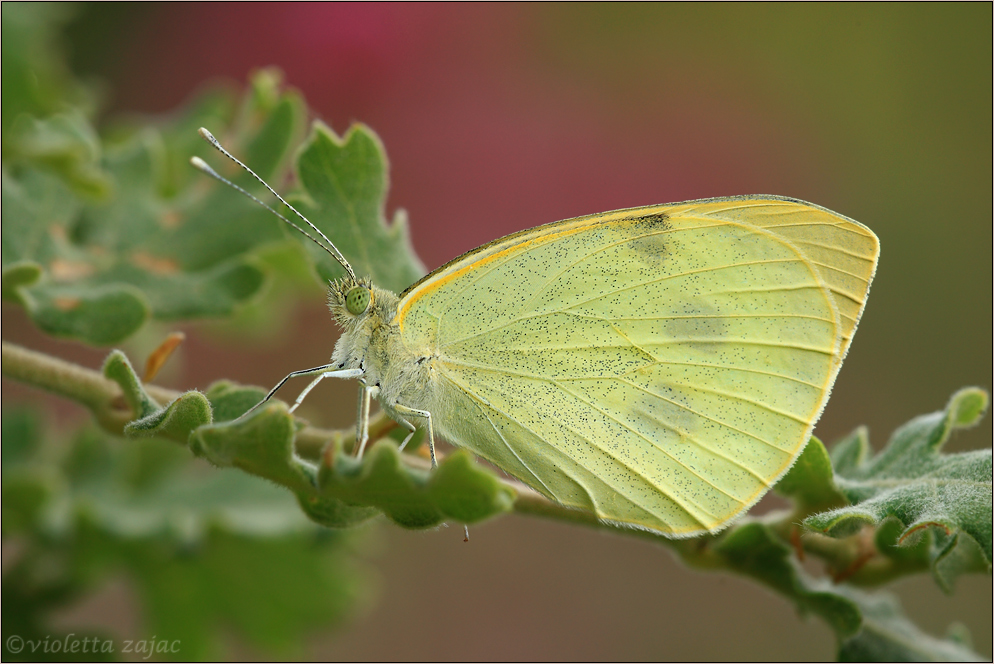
(914, 556)
(344, 183)
(260, 445)
(754, 550)
(343, 490)
(161, 240)
(67, 144)
(334, 513)
(911, 481)
(850, 452)
(176, 421)
(888, 636)
(186, 538)
(458, 489)
(229, 400)
(810, 482)
(118, 368)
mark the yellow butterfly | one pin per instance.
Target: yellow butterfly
(659, 366)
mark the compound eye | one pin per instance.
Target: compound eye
(357, 300)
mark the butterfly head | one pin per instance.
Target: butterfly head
(351, 300)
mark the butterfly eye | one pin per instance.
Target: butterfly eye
(357, 300)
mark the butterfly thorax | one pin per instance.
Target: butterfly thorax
(372, 341)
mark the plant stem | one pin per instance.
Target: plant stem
(104, 398)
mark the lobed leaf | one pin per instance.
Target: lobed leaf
(343, 192)
(912, 482)
(229, 400)
(261, 445)
(65, 143)
(118, 230)
(459, 489)
(187, 540)
(755, 550)
(810, 482)
(344, 491)
(118, 368)
(888, 636)
(176, 421)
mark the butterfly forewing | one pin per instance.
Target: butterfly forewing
(660, 366)
(843, 251)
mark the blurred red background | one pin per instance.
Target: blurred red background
(502, 117)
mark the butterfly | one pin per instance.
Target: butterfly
(661, 367)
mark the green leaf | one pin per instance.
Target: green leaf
(888, 636)
(35, 78)
(118, 368)
(17, 275)
(176, 421)
(335, 513)
(464, 491)
(914, 556)
(850, 452)
(342, 490)
(208, 551)
(42, 269)
(911, 481)
(65, 143)
(810, 482)
(162, 241)
(272, 591)
(261, 445)
(230, 400)
(458, 489)
(344, 183)
(754, 550)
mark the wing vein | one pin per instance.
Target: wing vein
(730, 395)
(622, 463)
(651, 442)
(707, 417)
(512, 450)
(524, 374)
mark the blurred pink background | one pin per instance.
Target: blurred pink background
(501, 117)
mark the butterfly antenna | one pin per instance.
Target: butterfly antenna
(201, 165)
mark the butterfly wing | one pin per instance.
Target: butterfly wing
(659, 366)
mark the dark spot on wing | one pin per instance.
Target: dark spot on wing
(659, 218)
(652, 246)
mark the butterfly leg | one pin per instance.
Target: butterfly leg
(324, 373)
(362, 419)
(404, 410)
